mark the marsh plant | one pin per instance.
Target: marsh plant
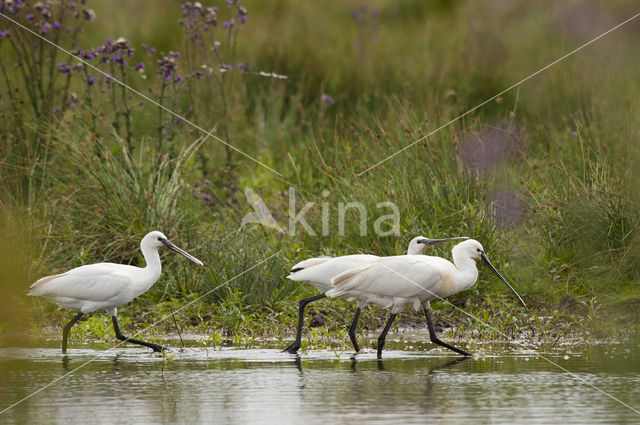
(44, 74)
(544, 175)
(211, 39)
(93, 83)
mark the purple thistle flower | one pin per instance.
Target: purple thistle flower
(28, 16)
(206, 197)
(175, 54)
(4, 33)
(89, 56)
(57, 25)
(207, 181)
(63, 68)
(225, 68)
(139, 66)
(125, 63)
(90, 81)
(328, 99)
(240, 65)
(228, 23)
(179, 78)
(167, 76)
(109, 78)
(243, 19)
(45, 28)
(153, 50)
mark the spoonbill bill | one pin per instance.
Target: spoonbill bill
(320, 270)
(107, 286)
(415, 279)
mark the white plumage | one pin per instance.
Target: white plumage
(106, 285)
(319, 271)
(405, 280)
(96, 286)
(402, 280)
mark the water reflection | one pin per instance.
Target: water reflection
(266, 386)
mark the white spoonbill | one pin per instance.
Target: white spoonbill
(107, 286)
(319, 271)
(416, 279)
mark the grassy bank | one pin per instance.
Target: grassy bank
(544, 176)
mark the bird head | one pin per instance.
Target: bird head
(420, 243)
(153, 240)
(470, 248)
(417, 245)
(157, 239)
(473, 249)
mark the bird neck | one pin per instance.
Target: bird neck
(467, 269)
(152, 258)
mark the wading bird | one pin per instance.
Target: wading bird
(319, 271)
(107, 286)
(411, 279)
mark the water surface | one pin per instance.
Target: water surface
(505, 385)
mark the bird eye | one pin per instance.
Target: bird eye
(478, 249)
(159, 238)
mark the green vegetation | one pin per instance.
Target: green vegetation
(544, 176)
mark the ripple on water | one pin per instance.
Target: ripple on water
(228, 385)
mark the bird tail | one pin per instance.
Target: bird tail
(302, 265)
(37, 288)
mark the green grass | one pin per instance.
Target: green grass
(75, 192)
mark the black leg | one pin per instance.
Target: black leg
(352, 329)
(383, 335)
(434, 337)
(295, 345)
(155, 347)
(66, 329)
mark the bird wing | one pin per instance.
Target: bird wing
(319, 272)
(324, 269)
(94, 282)
(399, 276)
